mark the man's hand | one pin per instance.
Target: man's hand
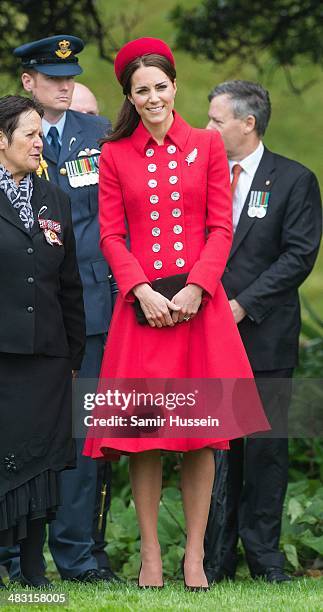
(238, 312)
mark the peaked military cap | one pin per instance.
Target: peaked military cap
(55, 56)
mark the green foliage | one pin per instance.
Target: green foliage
(302, 528)
(311, 352)
(306, 455)
(306, 458)
(123, 535)
(223, 29)
(29, 20)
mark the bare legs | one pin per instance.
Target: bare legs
(146, 480)
(197, 481)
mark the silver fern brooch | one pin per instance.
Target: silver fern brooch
(191, 157)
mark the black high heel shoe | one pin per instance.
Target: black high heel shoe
(147, 586)
(192, 588)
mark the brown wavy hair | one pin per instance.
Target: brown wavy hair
(128, 117)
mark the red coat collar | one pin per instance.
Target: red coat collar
(178, 134)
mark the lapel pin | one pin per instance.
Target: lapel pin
(267, 182)
(191, 157)
(42, 210)
(73, 139)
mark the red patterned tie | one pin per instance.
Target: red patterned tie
(236, 171)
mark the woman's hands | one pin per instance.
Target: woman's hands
(161, 312)
(189, 299)
(156, 308)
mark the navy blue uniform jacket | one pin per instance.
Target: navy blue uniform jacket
(81, 132)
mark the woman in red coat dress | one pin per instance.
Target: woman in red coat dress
(170, 182)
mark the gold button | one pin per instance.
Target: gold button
(63, 171)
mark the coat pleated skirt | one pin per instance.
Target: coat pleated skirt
(35, 439)
(196, 349)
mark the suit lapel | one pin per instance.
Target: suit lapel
(38, 201)
(265, 172)
(10, 214)
(72, 139)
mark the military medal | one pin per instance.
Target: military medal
(261, 212)
(55, 226)
(84, 170)
(51, 229)
(52, 237)
(258, 204)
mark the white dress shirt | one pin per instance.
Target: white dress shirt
(249, 167)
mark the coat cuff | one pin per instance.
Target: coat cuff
(127, 292)
(255, 309)
(194, 278)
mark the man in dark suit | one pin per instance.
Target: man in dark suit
(71, 152)
(277, 229)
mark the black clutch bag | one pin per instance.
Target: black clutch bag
(168, 287)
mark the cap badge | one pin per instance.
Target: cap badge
(64, 50)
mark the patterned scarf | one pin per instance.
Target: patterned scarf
(19, 195)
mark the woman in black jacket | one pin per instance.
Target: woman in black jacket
(42, 334)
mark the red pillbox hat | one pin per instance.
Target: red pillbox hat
(137, 48)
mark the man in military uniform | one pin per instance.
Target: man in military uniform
(71, 152)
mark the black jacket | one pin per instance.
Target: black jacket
(271, 257)
(41, 304)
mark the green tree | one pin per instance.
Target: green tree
(253, 31)
(26, 20)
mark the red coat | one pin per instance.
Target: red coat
(177, 203)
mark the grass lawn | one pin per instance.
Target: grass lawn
(244, 595)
